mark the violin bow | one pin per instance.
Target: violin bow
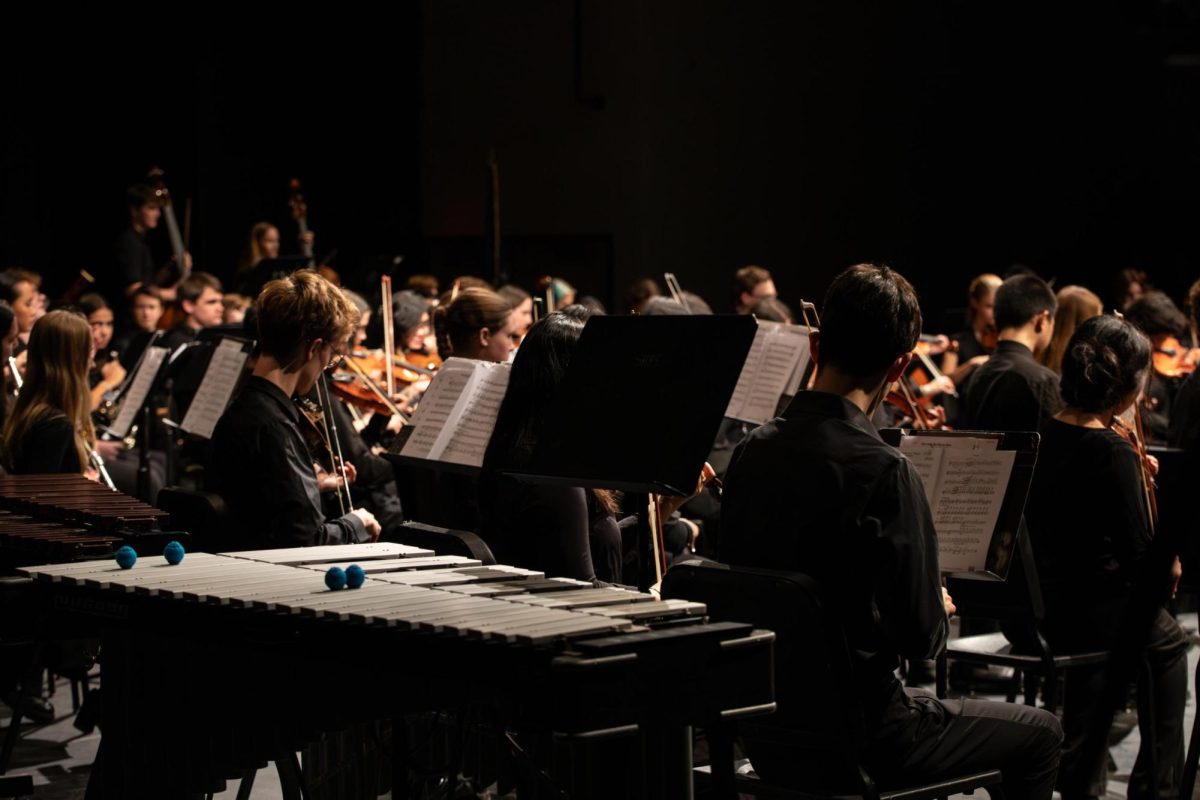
(676, 290)
(389, 333)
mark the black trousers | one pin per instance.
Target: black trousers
(1162, 694)
(932, 739)
(922, 740)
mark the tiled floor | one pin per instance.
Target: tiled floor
(59, 756)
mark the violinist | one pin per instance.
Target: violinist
(1011, 391)
(971, 347)
(1184, 429)
(751, 284)
(1157, 316)
(522, 305)
(1089, 527)
(1076, 304)
(477, 323)
(259, 462)
(817, 490)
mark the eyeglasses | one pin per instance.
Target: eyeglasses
(335, 361)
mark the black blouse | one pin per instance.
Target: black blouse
(47, 447)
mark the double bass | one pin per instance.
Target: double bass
(172, 314)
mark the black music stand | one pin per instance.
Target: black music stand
(145, 414)
(623, 419)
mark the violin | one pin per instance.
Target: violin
(924, 417)
(1133, 434)
(321, 436)
(924, 371)
(356, 384)
(1172, 360)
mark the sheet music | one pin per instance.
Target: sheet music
(212, 397)
(771, 366)
(438, 406)
(470, 439)
(135, 398)
(965, 480)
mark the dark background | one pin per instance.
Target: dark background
(635, 138)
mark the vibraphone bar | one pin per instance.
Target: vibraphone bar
(424, 632)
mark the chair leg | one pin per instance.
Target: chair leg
(247, 784)
(720, 758)
(1050, 692)
(1032, 683)
(291, 779)
(11, 733)
(1014, 686)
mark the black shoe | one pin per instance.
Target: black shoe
(35, 709)
(89, 711)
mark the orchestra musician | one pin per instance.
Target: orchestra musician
(259, 462)
(477, 323)
(134, 262)
(1076, 304)
(1089, 527)
(106, 373)
(1156, 315)
(19, 288)
(972, 346)
(816, 490)
(50, 427)
(1011, 391)
(522, 305)
(146, 308)
(202, 303)
(751, 284)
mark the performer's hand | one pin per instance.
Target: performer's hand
(349, 473)
(112, 373)
(369, 522)
(939, 385)
(327, 481)
(109, 450)
(1152, 465)
(1176, 574)
(948, 602)
(306, 238)
(940, 344)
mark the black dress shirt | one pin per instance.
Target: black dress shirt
(1011, 392)
(260, 465)
(133, 263)
(816, 490)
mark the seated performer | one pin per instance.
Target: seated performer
(259, 462)
(477, 323)
(1089, 528)
(146, 308)
(50, 426)
(202, 303)
(816, 490)
(1076, 304)
(1011, 391)
(106, 373)
(751, 284)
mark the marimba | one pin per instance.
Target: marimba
(57, 518)
(223, 660)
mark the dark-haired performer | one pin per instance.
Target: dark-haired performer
(1089, 529)
(259, 463)
(1011, 391)
(805, 491)
(134, 264)
(202, 304)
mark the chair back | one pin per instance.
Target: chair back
(817, 732)
(202, 514)
(443, 541)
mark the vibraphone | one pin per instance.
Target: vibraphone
(224, 660)
(58, 518)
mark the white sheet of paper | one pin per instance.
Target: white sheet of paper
(438, 406)
(469, 441)
(135, 398)
(212, 396)
(771, 366)
(965, 480)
